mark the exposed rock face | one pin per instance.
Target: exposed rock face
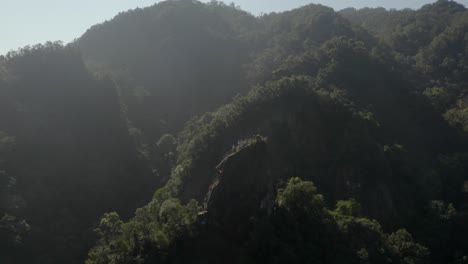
(243, 185)
(345, 161)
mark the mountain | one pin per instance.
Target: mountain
(186, 58)
(72, 154)
(307, 136)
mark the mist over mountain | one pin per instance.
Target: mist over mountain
(190, 132)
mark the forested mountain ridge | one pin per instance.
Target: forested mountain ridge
(173, 52)
(433, 41)
(71, 141)
(308, 136)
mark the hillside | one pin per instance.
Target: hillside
(187, 132)
(71, 156)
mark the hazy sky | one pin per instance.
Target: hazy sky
(25, 22)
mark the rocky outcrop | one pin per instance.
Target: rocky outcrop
(243, 184)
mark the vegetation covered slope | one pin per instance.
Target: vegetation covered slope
(308, 136)
(72, 159)
(432, 41)
(330, 125)
(354, 122)
(186, 58)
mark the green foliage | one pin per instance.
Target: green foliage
(406, 31)
(458, 115)
(331, 236)
(350, 207)
(440, 210)
(439, 97)
(13, 231)
(300, 196)
(369, 241)
(186, 58)
(110, 226)
(7, 143)
(361, 102)
(407, 250)
(73, 155)
(155, 227)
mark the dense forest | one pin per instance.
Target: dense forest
(191, 132)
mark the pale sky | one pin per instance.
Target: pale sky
(27, 22)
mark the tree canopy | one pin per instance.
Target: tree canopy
(190, 132)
